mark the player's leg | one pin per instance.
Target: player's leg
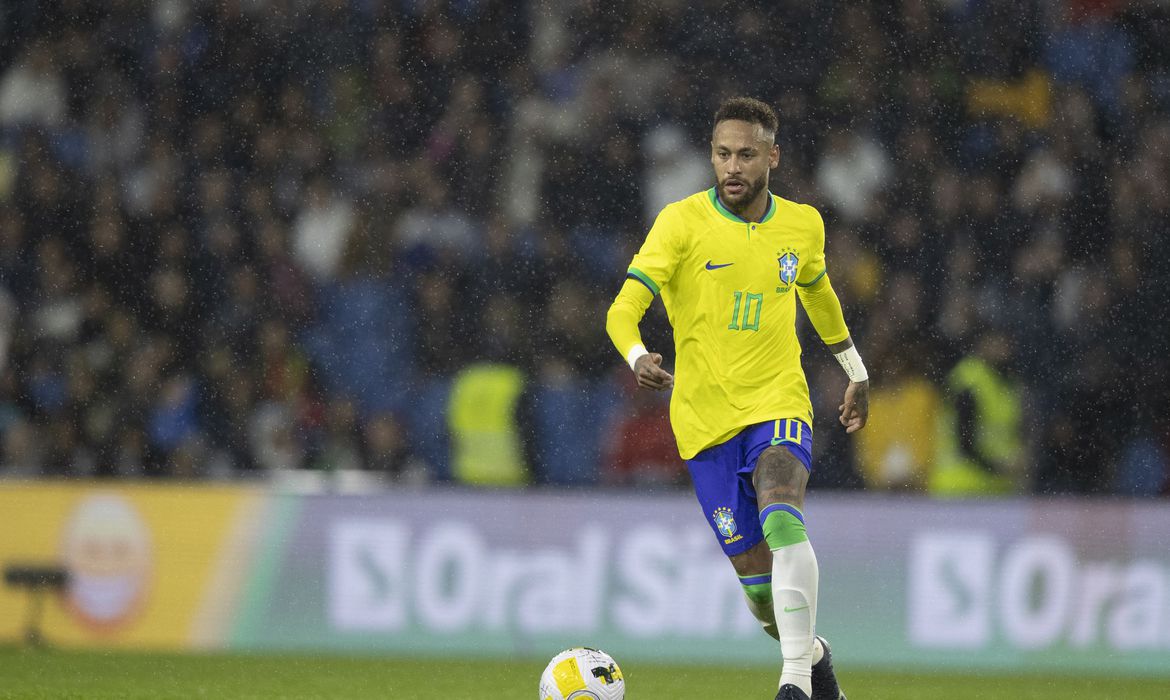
(722, 478)
(780, 479)
(778, 459)
(754, 568)
(723, 487)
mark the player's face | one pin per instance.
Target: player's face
(743, 154)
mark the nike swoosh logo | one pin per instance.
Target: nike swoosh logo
(777, 441)
(716, 267)
(788, 609)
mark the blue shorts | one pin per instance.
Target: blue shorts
(723, 479)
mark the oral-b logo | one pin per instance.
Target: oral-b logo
(968, 591)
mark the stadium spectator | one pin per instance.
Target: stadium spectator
(487, 445)
(896, 450)
(341, 440)
(321, 229)
(852, 171)
(32, 91)
(640, 450)
(389, 455)
(980, 446)
(674, 168)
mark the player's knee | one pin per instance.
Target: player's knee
(779, 477)
(753, 562)
(781, 461)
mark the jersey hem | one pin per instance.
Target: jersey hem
(719, 440)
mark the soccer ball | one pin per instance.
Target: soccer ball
(581, 673)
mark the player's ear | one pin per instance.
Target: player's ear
(774, 156)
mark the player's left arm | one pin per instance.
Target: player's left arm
(855, 406)
(823, 307)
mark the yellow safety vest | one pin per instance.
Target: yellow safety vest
(997, 432)
(485, 441)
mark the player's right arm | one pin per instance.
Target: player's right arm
(651, 268)
(622, 325)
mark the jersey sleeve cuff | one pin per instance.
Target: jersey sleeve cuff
(634, 353)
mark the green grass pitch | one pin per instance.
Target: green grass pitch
(68, 674)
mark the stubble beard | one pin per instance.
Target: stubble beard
(752, 190)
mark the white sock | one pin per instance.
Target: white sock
(766, 616)
(794, 598)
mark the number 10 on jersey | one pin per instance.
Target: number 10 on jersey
(750, 320)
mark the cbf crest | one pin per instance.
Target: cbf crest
(789, 263)
(725, 522)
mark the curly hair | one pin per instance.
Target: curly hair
(750, 110)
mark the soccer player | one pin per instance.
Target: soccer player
(729, 263)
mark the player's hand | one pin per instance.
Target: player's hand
(855, 410)
(650, 374)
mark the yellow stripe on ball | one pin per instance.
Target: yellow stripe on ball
(567, 675)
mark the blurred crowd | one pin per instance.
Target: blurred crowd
(255, 236)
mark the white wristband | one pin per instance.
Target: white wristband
(852, 364)
(634, 353)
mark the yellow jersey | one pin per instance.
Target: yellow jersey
(729, 287)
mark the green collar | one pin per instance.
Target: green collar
(727, 213)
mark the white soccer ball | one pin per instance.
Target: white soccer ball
(581, 673)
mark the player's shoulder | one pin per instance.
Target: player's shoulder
(682, 220)
(688, 208)
(797, 212)
(801, 219)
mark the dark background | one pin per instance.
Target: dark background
(239, 238)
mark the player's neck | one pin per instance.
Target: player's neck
(754, 210)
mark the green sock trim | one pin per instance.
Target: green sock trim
(758, 593)
(782, 528)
